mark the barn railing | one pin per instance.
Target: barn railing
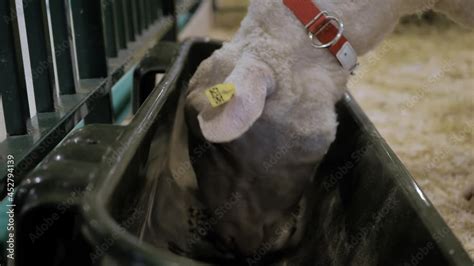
(59, 60)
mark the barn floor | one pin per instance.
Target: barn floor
(418, 89)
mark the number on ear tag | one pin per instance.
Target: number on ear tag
(220, 94)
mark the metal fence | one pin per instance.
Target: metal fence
(76, 50)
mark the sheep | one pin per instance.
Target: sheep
(262, 147)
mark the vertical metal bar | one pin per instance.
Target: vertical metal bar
(15, 103)
(41, 62)
(142, 15)
(135, 17)
(14, 97)
(148, 12)
(159, 7)
(119, 24)
(128, 10)
(153, 14)
(152, 11)
(155, 8)
(89, 38)
(127, 19)
(62, 47)
(109, 25)
(72, 41)
(91, 50)
(145, 12)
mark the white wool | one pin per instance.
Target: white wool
(308, 81)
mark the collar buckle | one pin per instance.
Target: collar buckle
(328, 20)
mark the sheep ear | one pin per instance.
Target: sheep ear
(253, 82)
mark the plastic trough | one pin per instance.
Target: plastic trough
(84, 195)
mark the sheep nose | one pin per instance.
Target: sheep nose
(245, 241)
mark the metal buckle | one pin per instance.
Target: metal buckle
(329, 19)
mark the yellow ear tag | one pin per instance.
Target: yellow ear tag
(220, 94)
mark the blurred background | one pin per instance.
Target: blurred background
(417, 87)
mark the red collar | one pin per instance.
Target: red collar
(320, 25)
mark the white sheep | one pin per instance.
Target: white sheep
(280, 123)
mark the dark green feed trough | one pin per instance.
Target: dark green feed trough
(367, 208)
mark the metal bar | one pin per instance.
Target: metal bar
(110, 32)
(127, 19)
(159, 8)
(142, 15)
(135, 16)
(14, 98)
(91, 49)
(30, 149)
(153, 11)
(148, 10)
(89, 38)
(62, 47)
(72, 41)
(40, 60)
(146, 13)
(156, 8)
(119, 24)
